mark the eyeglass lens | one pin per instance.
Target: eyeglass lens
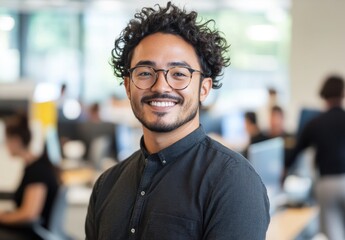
(145, 77)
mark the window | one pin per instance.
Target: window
(53, 49)
(9, 54)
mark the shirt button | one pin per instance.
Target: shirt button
(133, 230)
(164, 162)
(142, 193)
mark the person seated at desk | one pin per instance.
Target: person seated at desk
(253, 130)
(36, 192)
(277, 129)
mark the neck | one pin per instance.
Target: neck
(156, 141)
(334, 102)
(28, 157)
(254, 131)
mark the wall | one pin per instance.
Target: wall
(317, 49)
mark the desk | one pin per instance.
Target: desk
(6, 205)
(289, 223)
(79, 176)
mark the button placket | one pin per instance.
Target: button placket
(146, 178)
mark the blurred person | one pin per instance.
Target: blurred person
(181, 184)
(264, 111)
(118, 110)
(276, 122)
(326, 133)
(277, 129)
(93, 113)
(61, 101)
(253, 130)
(37, 190)
(63, 93)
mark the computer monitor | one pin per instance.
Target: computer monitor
(233, 130)
(267, 158)
(15, 97)
(306, 115)
(10, 107)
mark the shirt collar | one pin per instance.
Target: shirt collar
(175, 150)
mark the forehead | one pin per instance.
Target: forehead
(162, 49)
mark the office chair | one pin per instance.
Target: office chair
(55, 229)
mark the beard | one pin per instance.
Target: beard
(166, 127)
(160, 126)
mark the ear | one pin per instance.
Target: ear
(127, 84)
(205, 88)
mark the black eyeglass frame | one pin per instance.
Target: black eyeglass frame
(165, 71)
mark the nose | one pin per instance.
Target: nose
(161, 84)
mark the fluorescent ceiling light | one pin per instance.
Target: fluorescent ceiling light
(6, 23)
(46, 92)
(263, 33)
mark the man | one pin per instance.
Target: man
(253, 130)
(327, 134)
(181, 184)
(276, 122)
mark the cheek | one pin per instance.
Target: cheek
(193, 91)
(11, 147)
(127, 84)
(14, 144)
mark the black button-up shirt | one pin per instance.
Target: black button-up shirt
(194, 189)
(327, 134)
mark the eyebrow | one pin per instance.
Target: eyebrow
(145, 63)
(170, 64)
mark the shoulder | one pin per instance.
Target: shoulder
(40, 171)
(223, 153)
(228, 163)
(236, 183)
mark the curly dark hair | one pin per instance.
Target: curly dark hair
(209, 45)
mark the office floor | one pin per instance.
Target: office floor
(77, 199)
(75, 219)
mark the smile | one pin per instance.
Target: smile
(162, 104)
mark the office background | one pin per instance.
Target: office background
(280, 44)
(287, 45)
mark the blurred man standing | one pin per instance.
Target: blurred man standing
(327, 134)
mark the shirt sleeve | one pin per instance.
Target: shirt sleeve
(238, 207)
(39, 173)
(303, 141)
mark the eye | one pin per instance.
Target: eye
(179, 73)
(143, 73)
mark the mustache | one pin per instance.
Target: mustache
(161, 96)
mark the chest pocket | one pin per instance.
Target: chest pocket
(168, 227)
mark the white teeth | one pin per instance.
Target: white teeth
(162, 104)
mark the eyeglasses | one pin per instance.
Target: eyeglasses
(178, 78)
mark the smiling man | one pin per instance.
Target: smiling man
(181, 184)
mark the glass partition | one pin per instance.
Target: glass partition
(9, 53)
(61, 45)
